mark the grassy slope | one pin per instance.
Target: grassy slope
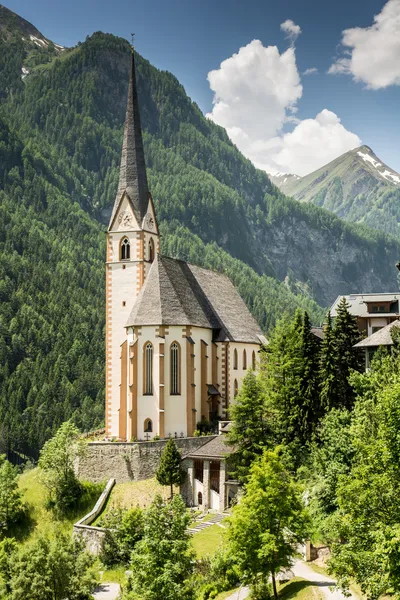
(42, 520)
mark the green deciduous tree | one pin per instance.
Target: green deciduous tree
(162, 562)
(269, 521)
(56, 462)
(124, 528)
(169, 470)
(366, 526)
(57, 569)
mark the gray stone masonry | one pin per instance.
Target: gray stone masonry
(93, 536)
(126, 461)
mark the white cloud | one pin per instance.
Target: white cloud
(311, 71)
(291, 29)
(255, 95)
(373, 52)
(313, 143)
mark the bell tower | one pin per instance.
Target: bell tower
(132, 242)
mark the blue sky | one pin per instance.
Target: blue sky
(192, 38)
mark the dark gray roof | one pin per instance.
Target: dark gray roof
(216, 448)
(382, 337)
(178, 293)
(132, 175)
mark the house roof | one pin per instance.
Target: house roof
(318, 332)
(178, 293)
(382, 337)
(132, 174)
(216, 448)
(358, 303)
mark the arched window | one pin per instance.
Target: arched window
(148, 426)
(175, 369)
(151, 250)
(244, 360)
(235, 359)
(148, 369)
(235, 388)
(199, 498)
(253, 359)
(125, 249)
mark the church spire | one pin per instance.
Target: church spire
(132, 175)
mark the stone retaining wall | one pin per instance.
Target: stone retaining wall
(93, 536)
(126, 461)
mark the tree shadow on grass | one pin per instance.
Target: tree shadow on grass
(292, 589)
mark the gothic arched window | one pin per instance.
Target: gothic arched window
(235, 388)
(175, 369)
(125, 249)
(235, 359)
(148, 369)
(151, 250)
(244, 360)
(148, 426)
(253, 360)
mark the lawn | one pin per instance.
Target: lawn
(208, 541)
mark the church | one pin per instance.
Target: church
(179, 338)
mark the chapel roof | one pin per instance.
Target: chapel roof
(179, 293)
(215, 448)
(382, 337)
(132, 174)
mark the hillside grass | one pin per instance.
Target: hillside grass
(132, 494)
(42, 521)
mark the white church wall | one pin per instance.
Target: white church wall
(148, 405)
(239, 373)
(175, 422)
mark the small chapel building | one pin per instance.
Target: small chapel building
(179, 338)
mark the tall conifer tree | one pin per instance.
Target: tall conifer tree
(309, 405)
(346, 335)
(328, 368)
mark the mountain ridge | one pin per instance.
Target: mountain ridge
(357, 186)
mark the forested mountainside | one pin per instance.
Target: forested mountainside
(356, 186)
(61, 133)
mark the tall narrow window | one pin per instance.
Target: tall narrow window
(235, 359)
(125, 249)
(253, 359)
(244, 360)
(148, 369)
(175, 369)
(235, 388)
(151, 250)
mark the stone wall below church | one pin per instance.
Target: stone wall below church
(126, 461)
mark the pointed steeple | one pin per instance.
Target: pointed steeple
(132, 175)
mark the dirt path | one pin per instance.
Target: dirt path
(324, 583)
(106, 591)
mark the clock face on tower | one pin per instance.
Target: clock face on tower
(125, 219)
(149, 221)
